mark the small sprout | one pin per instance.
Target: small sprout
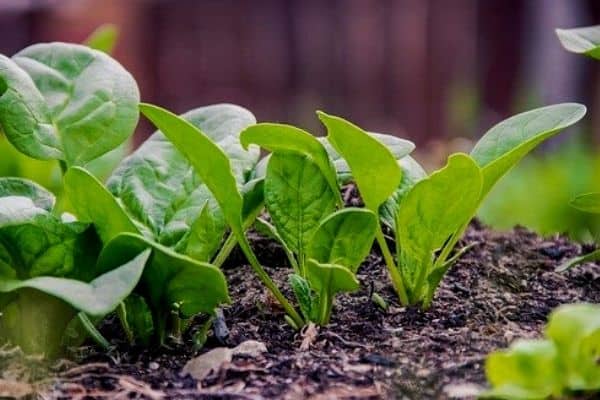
(379, 301)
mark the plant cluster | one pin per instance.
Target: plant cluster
(148, 242)
(565, 361)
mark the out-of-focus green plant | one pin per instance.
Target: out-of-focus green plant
(563, 362)
(536, 194)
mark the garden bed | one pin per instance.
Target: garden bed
(502, 289)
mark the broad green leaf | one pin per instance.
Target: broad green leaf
(209, 161)
(412, 172)
(66, 101)
(205, 235)
(287, 138)
(170, 278)
(374, 167)
(400, 148)
(434, 209)
(329, 279)
(585, 40)
(298, 197)
(40, 197)
(160, 189)
(96, 298)
(510, 140)
(588, 202)
(527, 370)
(103, 38)
(344, 238)
(575, 330)
(93, 203)
(34, 242)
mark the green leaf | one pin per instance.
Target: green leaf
(588, 202)
(412, 172)
(160, 189)
(510, 140)
(585, 40)
(206, 233)
(93, 203)
(298, 197)
(103, 38)
(399, 148)
(570, 263)
(136, 318)
(96, 298)
(344, 238)
(289, 139)
(374, 167)
(527, 370)
(35, 242)
(170, 278)
(432, 211)
(40, 197)
(575, 330)
(66, 101)
(265, 228)
(304, 295)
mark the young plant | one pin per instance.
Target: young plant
(49, 278)
(324, 246)
(566, 361)
(430, 214)
(155, 199)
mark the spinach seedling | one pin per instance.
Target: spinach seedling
(430, 214)
(324, 246)
(48, 270)
(155, 199)
(565, 361)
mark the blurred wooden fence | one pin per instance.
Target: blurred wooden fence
(423, 69)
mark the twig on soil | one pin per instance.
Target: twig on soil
(347, 343)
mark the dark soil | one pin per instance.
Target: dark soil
(502, 289)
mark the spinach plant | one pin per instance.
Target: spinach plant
(565, 361)
(324, 246)
(155, 199)
(430, 213)
(48, 270)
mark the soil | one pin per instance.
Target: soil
(502, 289)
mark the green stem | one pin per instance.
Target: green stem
(324, 307)
(225, 251)
(63, 166)
(90, 328)
(441, 260)
(266, 280)
(392, 268)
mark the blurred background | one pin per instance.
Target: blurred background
(438, 72)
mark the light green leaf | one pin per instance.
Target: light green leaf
(575, 330)
(97, 298)
(287, 138)
(588, 202)
(136, 318)
(585, 40)
(510, 140)
(344, 238)
(412, 172)
(298, 197)
(433, 210)
(331, 278)
(103, 38)
(304, 296)
(170, 278)
(400, 148)
(93, 203)
(593, 256)
(205, 234)
(66, 101)
(527, 370)
(374, 167)
(40, 197)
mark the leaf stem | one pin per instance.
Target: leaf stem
(92, 331)
(225, 251)
(266, 279)
(392, 268)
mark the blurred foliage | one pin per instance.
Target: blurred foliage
(536, 194)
